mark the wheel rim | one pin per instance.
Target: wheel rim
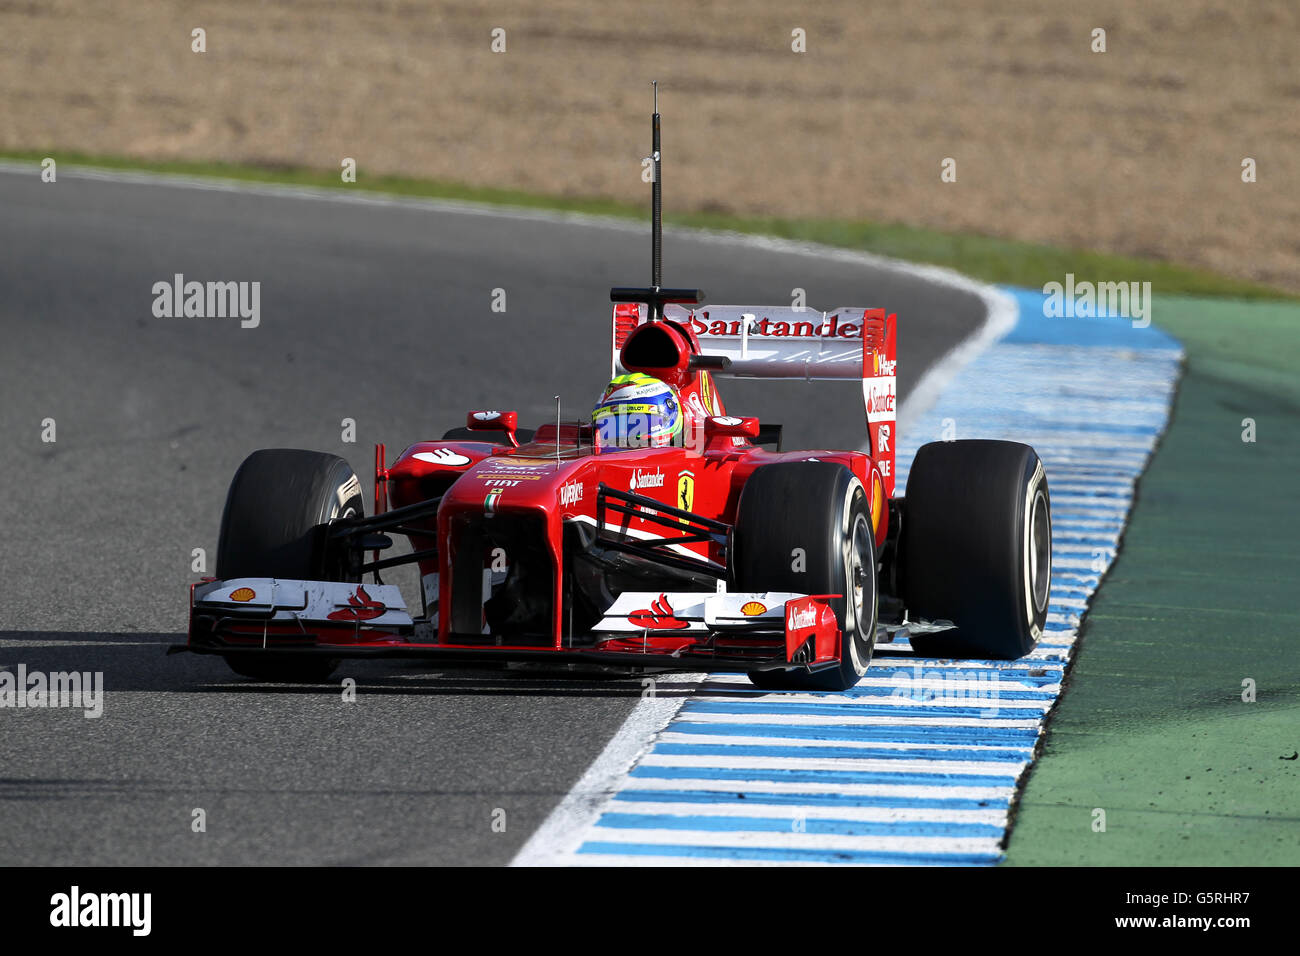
(859, 576)
(333, 564)
(1040, 550)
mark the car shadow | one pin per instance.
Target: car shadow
(885, 650)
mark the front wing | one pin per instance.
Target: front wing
(684, 630)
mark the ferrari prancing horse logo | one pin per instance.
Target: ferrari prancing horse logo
(685, 491)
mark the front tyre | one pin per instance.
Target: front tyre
(805, 526)
(976, 548)
(274, 525)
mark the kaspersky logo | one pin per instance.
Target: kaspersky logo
(570, 493)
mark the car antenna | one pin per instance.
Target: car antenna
(557, 431)
(655, 296)
(656, 211)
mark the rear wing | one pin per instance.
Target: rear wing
(783, 342)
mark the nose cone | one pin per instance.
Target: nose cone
(513, 483)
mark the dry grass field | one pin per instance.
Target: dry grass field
(1137, 150)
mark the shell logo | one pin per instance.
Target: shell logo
(877, 499)
(751, 608)
(242, 595)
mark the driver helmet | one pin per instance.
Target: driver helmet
(637, 411)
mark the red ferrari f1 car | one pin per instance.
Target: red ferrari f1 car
(664, 532)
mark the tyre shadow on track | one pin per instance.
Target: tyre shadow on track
(892, 652)
(139, 662)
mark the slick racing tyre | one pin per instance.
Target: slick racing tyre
(273, 526)
(805, 526)
(976, 548)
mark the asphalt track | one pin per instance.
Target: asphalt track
(376, 312)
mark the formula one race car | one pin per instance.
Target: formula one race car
(658, 534)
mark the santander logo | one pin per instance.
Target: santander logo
(805, 617)
(878, 395)
(790, 327)
(646, 479)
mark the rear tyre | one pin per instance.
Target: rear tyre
(280, 504)
(805, 526)
(976, 548)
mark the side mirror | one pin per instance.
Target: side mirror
(729, 426)
(485, 421)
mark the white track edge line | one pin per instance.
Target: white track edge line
(564, 830)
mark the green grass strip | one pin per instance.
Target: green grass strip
(1200, 606)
